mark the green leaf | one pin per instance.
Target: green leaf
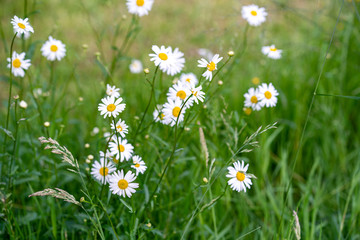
(127, 205)
(341, 96)
(8, 133)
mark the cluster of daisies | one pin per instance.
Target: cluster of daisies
(263, 96)
(255, 16)
(52, 49)
(186, 90)
(107, 169)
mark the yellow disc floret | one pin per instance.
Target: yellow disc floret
(240, 176)
(53, 48)
(181, 94)
(22, 26)
(267, 94)
(137, 165)
(140, 3)
(16, 63)
(254, 13)
(111, 107)
(211, 66)
(254, 99)
(104, 171)
(176, 111)
(121, 148)
(123, 184)
(163, 56)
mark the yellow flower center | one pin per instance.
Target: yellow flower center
(22, 26)
(16, 63)
(163, 56)
(140, 3)
(123, 184)
(254, 99)
(176, 111)
(255, 80)
(121, 148)
(115, 160)
(194, 93)
(111, 107)
(267, 94)
(104, 171)
(240, 176)
(119, 128)
(211, 66)
(53, 48)
(137, 165)
(254, 13)
(273, 49)
(181, 94)
(162, 116)
(247, 111)
(188, 80)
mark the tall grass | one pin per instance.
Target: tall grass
(308, 164)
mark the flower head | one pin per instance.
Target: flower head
(139, 7)
(180, 91)
(210, 66)
(21, 26)
(253, 14)
(101, 170)
(197, 94)
(188, 79)
(267, 95)
(138, 165)
(123, 185)
(120, 149)
(169, 62)
(240, 180)
(136, 66)
(112, 91)
(111, 106)
(173, 112)
(19, 64)
(120, 127)
(271, 52)
(252, 99)
(53, 49)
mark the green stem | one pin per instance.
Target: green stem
(10, 91)
(14, 147)
(148, 105)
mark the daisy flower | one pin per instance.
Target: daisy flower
(120, 149)
(19, 64)
(158, 115)
(211, 65)
(111, 107)
(123, 185)
(172, 112)
(267, 95)
(139, 7)
(271, 52)
(180, 91)
(21, 26)
(120, 127)
(139, 165)
(53, 49)
(112, 91)
(252, 99)
(168, 61)
(189, 79)
(136, 66)
(101, 170)
(253, 14)
(197, 94)
(240, 180)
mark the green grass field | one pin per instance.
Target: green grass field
(309, 163)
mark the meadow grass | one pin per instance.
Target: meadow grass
(309, 163)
